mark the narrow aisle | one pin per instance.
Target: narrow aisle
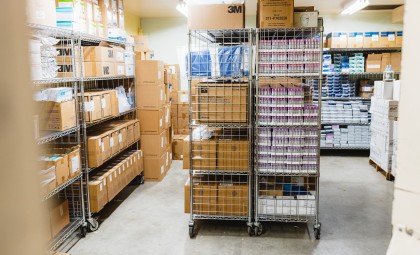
(355, 207)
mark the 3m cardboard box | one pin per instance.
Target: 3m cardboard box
(154, 168)
(178, 146)
(371, 40)
(41, 12)
(141, 43)
(98, 149)
(61, 164)
(387, 39)
(399, 39)
(98, 69)
(150, 97)
(98, 194)
(221, 104)
(101, 53)
(186, 153)
(305, 19)
(373, 63)
(57, 116)
(337, 40)
(205, 198)
(275, 13)
(232, 155)
(396, 61)
(355, 40)
(151, 121)
(154, 145)
(59, 216)
(120, 69)
(204, 155)
(216, 16)
(232, 199)
(149, 72)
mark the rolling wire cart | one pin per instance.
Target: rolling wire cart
(220, 125)
(287, 126)
(95, 84)
(62, 140)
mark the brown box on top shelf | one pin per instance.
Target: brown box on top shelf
(275, 13)
(98, 148)
(151, 121)
(233, 155)
(150, 97)
(371, 40)
(373, 63)
(141, 43)
(217, 103)
(186, 153)
(216, 16)
(154, 168)
(355, 40)
(149, 72)
(204, 155)
(57, 116)
(337, 40)
(98, 193)
(61, 164)
(177, 146)
(303, 19)
(59, 216)
(399, 39)
(154, 145)
(232, 199)
(387, 39)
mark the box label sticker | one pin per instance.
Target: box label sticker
(375, 38)
(120, 137)
(120, 70)
(119, 170)
(104, 181)
(170, 155)
(100, 187)
(103, 147)
(123, 167)
(374, 66)
(99, 142)
(75, 164)
(161, 142)
(359, 38)
(162, 169)
(110, 177)
(89, 106)
(167, 158)
(120, 56)
(391, 37)
(343, 38)
(160, 122)
(103, 103)
(184, 98)
(61, 210)
(111, 142)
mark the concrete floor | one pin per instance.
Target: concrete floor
(355, 211)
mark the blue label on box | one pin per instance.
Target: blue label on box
(400, 33)
(384, 34)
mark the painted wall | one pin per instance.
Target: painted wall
(132, 23)
(168, 35)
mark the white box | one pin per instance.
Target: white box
(305, 19)
(384, 90)
(396, 90)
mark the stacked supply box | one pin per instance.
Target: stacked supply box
(155, 118)
(384, 112)
(345, 136)
(103, 61)
(354, 112)
(72, 15)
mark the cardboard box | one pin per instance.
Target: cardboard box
(154, 168)
(136, 129)
(373, 63)
(73, 155)
(150, 97)
(337, 40)
(186, 153)
(167, 116)
(182, 123)
(396, 61)
(114, 143)
(98, 69)
(232, 200)
(41, 12)
(141, 43)
(61, 164)
(154, 145)
(399, 39)
(275, 13)
(305, 19)
(204, 155)
(386, 60)
(371, 40)
(205, 198)
(168, 160)
(174, 110)
(59, 216)
(233, 155)
(187, 196)
(106, 104)
(98, 149)
(182, 131)
(57, 116)
(98, 194)
(183, 97)
(151, 121)
(115, 108)
(120, 69)
(217, 103)
(216, 16)
(101, 53)
(93, 106)
(149, 72)
(178, 146)
(387, 39)
(355, 40)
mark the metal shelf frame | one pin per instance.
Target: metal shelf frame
(345, 148)
(345, 124)
(383, 49)
(61, 187)
(74, 225)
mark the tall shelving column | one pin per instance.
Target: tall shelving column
(287, 127)
(330, 100)
(60, 142)
(220, 125)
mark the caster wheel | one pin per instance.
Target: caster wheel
(191, 231)
(258, 230)
(93, 225)
(317, 232)
(250, 231)
(141, 179)
(83, 231)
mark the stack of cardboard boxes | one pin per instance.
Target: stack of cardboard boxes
(154, 111)
(384, 111)
(385, 39)
(379, 62)
(58, 216)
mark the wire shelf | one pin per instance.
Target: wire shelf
(51, 136)
(54, 81)
(345, 124)
(345, 148)
(279, 172)
(65, 233)
(62, 186)
(287, 50)
(107, 78)
(218, 217)
(90, 124)
(285, 218)
(391, 49)
(96, 39)
(344, 98)
(220, 172)
(289, 75)
(353, 74)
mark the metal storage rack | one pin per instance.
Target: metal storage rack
(71, 137)
(220, 86)
(374, 76)
(287, 126)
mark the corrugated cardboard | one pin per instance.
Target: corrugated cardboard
(151, 121)
(98, 69)
(371, 40)
(396, 61)
(62, 171)
(154, 145)
(399, 39)
(232, 155)
(57, 116)
(102, 53)
(385, 61)
(149, 72)
(59, 216)
(98, 193)
(337, 40)
(154, 168)
(114, 143)
(232, 200)
(186, 153)
(387, 39)
(115, 109)
(275, 13)
(178, 146)
(305, 19)
(98, 149)
(205, 199)
(141, 43)
(373, 63)
(41, 12)
(216, 16)
(204, 155)
(150, 97)
(355, 40)
(187, 196)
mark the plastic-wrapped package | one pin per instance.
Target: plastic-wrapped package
(48, 56)
(230, 60)
(200, 63)
(123, 103)
(202, 133)
(58, 95)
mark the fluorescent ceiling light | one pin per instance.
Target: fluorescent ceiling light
(354, 6)
(182, 8)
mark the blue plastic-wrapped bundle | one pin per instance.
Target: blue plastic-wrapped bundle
(201, 63)
(230, 61)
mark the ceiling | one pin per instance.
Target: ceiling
(166, 8)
